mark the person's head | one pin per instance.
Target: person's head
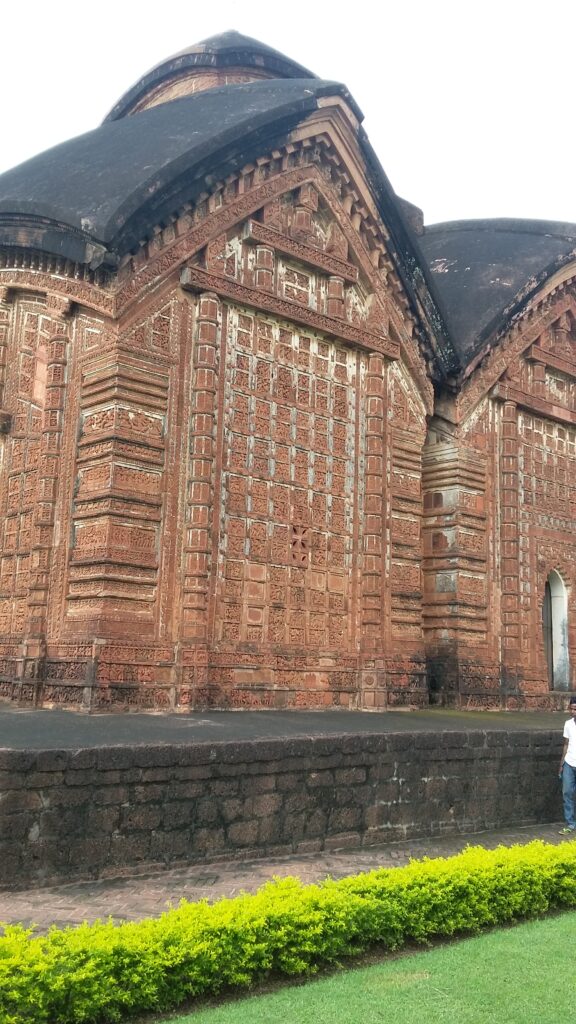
(572, 705)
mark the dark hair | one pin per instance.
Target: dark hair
(572, 699)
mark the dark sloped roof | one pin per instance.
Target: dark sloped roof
(485, 269)
(93, 199)
(108, 188)
(229, 49)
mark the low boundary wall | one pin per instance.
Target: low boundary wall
(70, 814)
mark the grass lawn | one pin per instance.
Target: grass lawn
(517, 975)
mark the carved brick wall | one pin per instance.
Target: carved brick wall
(403, 567)
(121, 578)
(457, 549)
(288, 547)
(500, 510)
(221, 495)
(36, 342)
(288, 594)
(212, 484)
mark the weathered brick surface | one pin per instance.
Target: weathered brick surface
(214, 459)
(500, 518)
(265, 798)
(232, 477)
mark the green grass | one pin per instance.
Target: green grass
(517, 975)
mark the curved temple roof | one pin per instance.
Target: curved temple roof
(93, 199)
(104, 190)
(484, 270)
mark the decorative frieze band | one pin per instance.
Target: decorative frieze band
(197, 280)
(507, 393)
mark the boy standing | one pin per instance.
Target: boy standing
(567, 770)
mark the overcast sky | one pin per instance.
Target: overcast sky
(469, 105)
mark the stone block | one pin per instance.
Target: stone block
(127, 850)
(244, 833)
(20, 800)
(141, 817)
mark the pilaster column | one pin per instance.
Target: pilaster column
(199, 513)
(539, 378)
(4, 323)
(374, 594)
(48, 476)
(509, 502)
(264, 267)
(335, 304)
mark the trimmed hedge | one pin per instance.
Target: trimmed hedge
(105, 972)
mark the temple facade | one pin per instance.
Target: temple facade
(267, 441)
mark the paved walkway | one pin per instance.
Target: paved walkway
(147, 895)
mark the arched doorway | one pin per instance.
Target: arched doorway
(555, 631)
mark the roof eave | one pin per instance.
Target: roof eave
(412, 267)
(42, 234)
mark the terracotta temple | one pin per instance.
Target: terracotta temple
(267, 441)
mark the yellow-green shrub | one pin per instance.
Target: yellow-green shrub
(105, 972)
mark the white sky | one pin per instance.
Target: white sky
(469, 106)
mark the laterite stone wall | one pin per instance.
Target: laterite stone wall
(102, 812)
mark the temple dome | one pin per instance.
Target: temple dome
(226, 59)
